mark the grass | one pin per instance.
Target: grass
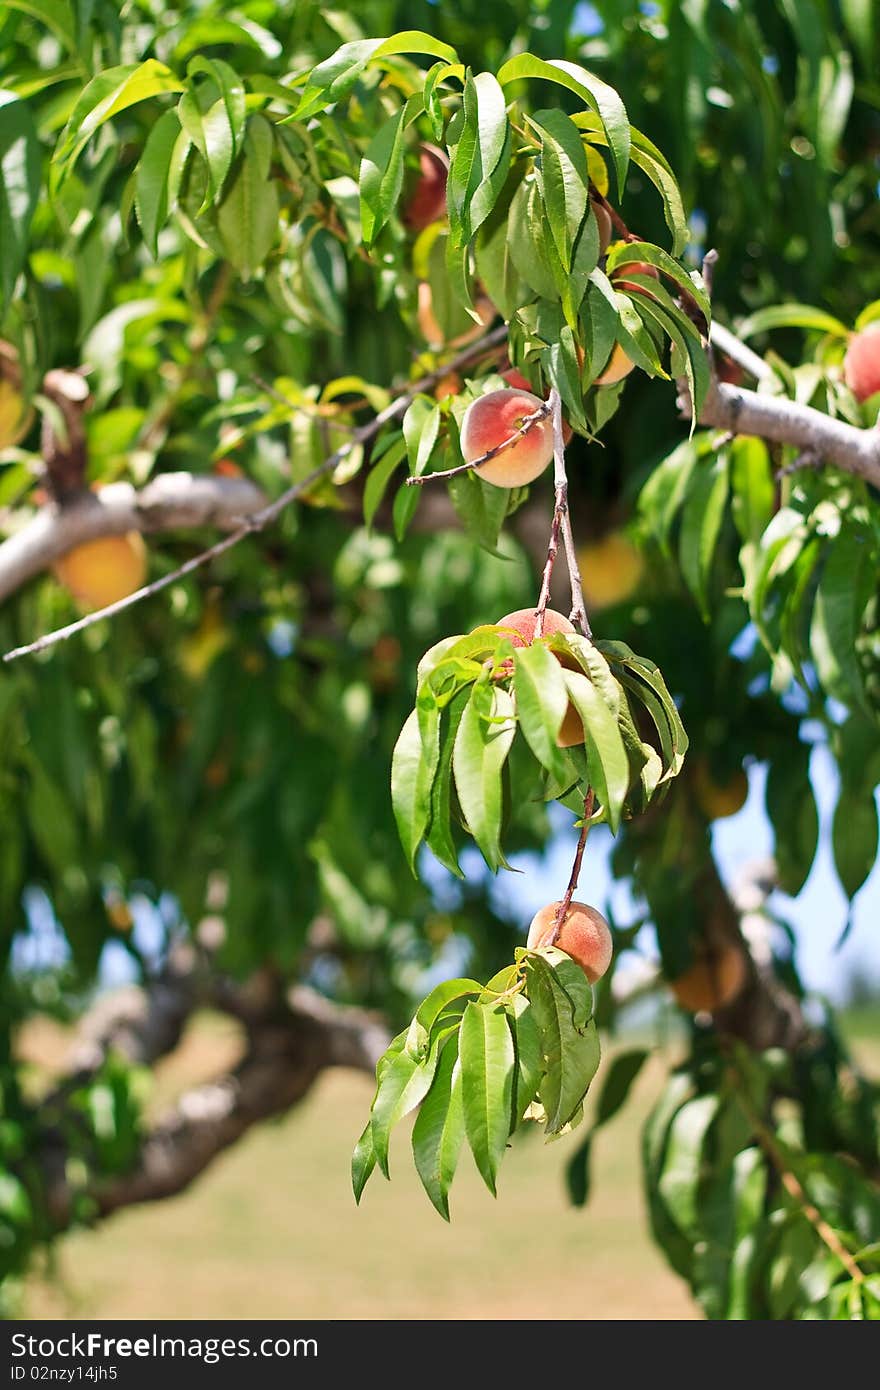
(271, 1230)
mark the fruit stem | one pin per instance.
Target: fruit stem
(528, 422)
(565, 904)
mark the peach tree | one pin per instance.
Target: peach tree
(375, 474)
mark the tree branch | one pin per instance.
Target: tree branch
(290, 1040)
(732, 347)
(259, 520)
(172, 501)
(783, 421)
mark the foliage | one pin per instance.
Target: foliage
(209, 211)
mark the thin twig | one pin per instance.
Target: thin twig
(807, 458)
(528, 423)
(793, 1185)
(565, 903)
(560, 511)
(263, 518)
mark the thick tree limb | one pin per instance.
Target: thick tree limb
(290, 1041)
(783, 421)
(172, 501)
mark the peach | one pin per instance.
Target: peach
(618, 366)
(861, 365)
(584, 935)
(428, 201)
(429, 325)
(522, 620)
(103, 571)
(517, 380)
(610, 570)
(719, 799)
(495, 417)
(620, 282)
(713, 980)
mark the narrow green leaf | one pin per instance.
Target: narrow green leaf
(570, 1053)
(380, 476)
(541, 703)
(439, 1129)
(791, 807)
(363, 1161)
(565, 178)
(152, 200)
(791, 316)
(529, 1056)
(439, 834)
(481, 748)
(112, 91)
(247, 217)
(478, 167)
(381, 176)
(607, 762)
(752, 487)
(411, 781)
(682, 1167)
(702, 517)
(211, 133)
(577, 1173)
(404, 1082)
(487, 1072)
(854, 834)
(618, 1083)
(837, 616)
(19, 188)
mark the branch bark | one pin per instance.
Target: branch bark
(172, 501)
(290, 1040)
(783, 421)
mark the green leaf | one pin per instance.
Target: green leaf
(577, 1173)
(334, 78)
(481, 747)
(749, 1191)
(439, 1129)
(837, 616)
(439, 835)
(478, 168)
(211, 133)
(380, 476)
(112, 91)
(791, 807)
(607, 763)
(247, 218)
(153, 194)
(565, 179)
(645, 251)
(643, 679)
(381, 176)
(752, 487)
(598, 96)
(430, 1010)
(230, 88)
(411, 781)
(487, 1073)
(791, 316)
(854, 838)
(702, 518)
(404, 1082)
(570, 1052)
(529, 1056)
(421, 427)
(541, 703)
(662, 496)
(363, 1161)
(683, 1161)
(618, 1083)
(19, 188)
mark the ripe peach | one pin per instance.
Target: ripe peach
(584, 935)
(428, 201)
(517, 380)
(433, 333)
(105, 570)
(14, 415)
(618, 366)
(620, 282)
(717, 800)
(861, 365)
(522, 620)
(610, 570)
(491, 419)
(713, 980)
